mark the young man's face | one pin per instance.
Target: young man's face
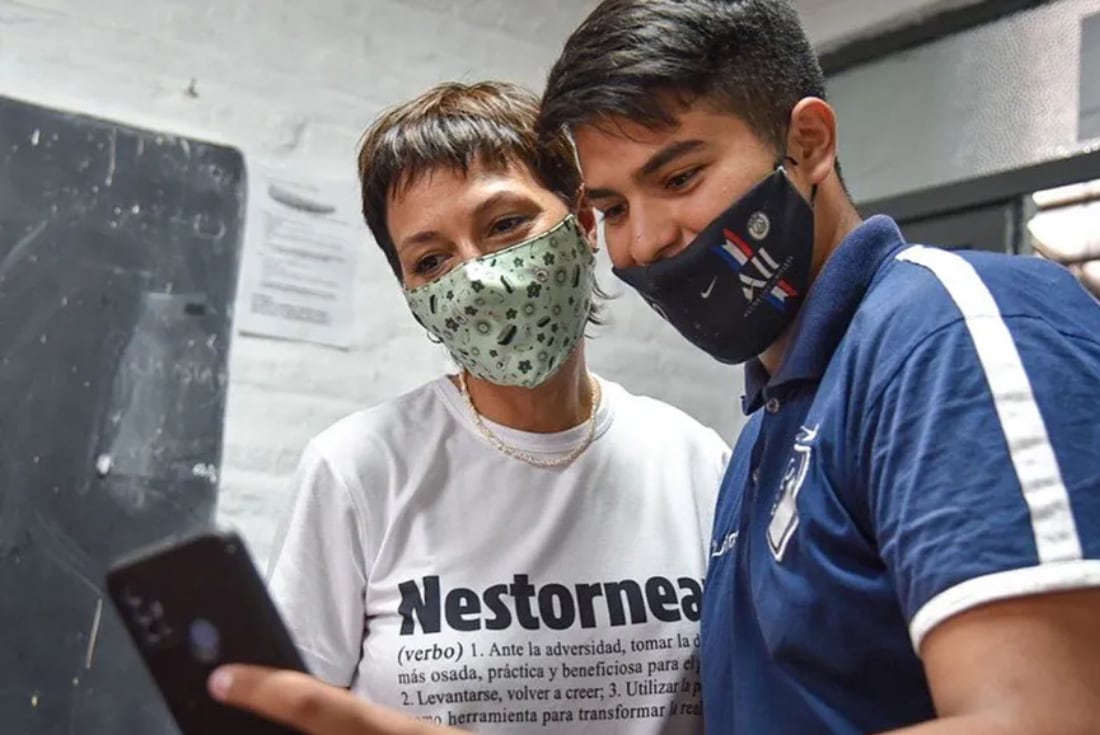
(657, 189)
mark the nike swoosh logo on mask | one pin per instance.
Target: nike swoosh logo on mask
(706, 294)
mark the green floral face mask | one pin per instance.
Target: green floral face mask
(514, 316)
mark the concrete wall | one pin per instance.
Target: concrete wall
(1007, 95)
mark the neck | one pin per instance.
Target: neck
(829, 232)
(560, 403)
(772, 357)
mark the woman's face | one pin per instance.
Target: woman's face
(446, 217)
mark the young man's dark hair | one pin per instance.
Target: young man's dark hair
(454, 125)
(747, 57)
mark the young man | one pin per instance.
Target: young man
(907, 539)
(910, 525)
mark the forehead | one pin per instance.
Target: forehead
(615, 136)
(449, 194)
(617, 146)
(439, 183)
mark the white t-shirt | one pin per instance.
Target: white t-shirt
(429, 572)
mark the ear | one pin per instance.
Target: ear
(586, 218)
(812, 142)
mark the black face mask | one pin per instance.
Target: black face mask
(739, 284)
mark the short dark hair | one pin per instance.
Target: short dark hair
(630, 57)
(453, 126)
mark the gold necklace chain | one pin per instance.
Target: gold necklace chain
(520, 454)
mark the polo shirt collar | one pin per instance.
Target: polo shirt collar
(829, 307)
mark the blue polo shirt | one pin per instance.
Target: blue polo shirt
(930, 443)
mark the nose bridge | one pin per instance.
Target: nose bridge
(468, 248)
(653, 231)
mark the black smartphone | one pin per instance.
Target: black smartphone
(191, 605)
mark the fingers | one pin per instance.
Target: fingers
(302, 702)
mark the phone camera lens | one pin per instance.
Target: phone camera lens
(157, 632)
(205, 641)
(132, 599)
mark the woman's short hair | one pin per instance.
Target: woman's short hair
(453, 126)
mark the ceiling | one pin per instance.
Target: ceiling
(830, 23)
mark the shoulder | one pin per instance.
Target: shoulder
(924, 289)
(369, 439)
(660, 423)
(924, 292)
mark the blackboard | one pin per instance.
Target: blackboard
(119, 253)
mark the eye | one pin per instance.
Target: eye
(429, 264)
(507, 224)
(679, 181)
(614, 213)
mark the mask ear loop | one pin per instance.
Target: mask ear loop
(431, 337)
(787, 159)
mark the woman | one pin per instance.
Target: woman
(520, 545)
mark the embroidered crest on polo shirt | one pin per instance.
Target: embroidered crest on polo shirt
(784, 520)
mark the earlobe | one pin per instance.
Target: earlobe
(812, 140)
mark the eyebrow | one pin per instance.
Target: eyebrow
(419, 238)
(667, 155)
(495, 199)
(656, 162)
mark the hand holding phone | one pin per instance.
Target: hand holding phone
(315, 708)
(191, 606)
